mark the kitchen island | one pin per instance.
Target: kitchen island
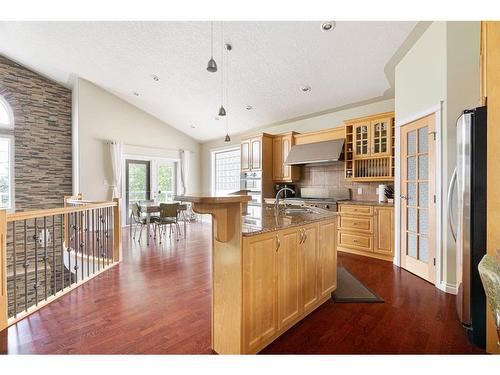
(265, 277)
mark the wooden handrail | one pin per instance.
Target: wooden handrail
(108, 229)
(57, 211)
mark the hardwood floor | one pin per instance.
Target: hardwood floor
(158, 301)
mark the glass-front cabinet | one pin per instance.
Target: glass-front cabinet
(369, 148)
(362, 139)
(381, 136)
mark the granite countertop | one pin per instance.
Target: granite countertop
(269, 222)
(368, 203)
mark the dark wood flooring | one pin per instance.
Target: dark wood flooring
(158, 301)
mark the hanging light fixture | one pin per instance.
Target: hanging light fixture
(212, 65)
(227, 138)
(222, 110)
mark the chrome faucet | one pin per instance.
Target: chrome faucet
(277, 199)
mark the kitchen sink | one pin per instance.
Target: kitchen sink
(298, 210)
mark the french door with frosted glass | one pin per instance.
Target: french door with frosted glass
(417, 198)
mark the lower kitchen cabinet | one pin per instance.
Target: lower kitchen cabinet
(327, 259)
(259, 286)
(286, 275)
(309, 265)
(384, 235)
(366, 230)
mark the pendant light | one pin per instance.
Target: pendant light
(222, 110)
(227, 138)
(212, 65)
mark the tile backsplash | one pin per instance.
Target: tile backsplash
(332, 177)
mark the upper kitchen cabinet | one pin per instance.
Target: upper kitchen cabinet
(254, 150)
(361, 134)
(282, 143)
(369, 148)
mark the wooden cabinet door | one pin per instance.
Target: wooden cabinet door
(286, 145)
(380, 137)
(361, 139)
(309, 266)
(327, 258)
(256, 154)
(245, 156)
(277, 159)
(259, 286)
(384, 231)
(288, 278)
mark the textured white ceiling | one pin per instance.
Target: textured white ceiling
(269, 63)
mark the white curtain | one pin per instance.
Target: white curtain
(184, 167)
(116, 149)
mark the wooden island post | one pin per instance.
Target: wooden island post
(227, 300)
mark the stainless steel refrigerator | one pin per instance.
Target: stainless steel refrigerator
(468, 224)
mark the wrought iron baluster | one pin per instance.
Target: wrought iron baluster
(87, 232)
(107, 233)
(15, 266)
(68, 249)
(25, 265)
(101, 238)
(45, 252)
(75, 227)
(93, 241)
(62, 251)
(35, 237)
(54, 276)
(112, 234)
(82, 243)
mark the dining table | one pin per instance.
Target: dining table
(149, 207)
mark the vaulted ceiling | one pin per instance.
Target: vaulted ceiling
(266, 69)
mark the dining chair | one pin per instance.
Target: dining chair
(138, 219)
(169, 215)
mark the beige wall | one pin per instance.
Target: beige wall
(324, 121)
(103, 116)
(442, 66)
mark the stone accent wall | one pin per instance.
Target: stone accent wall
(42, 131)
(332, 177)
(42, 176)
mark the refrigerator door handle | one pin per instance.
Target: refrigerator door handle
(451, 189)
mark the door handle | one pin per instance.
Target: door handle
(301, 236)
(404, 197)
(451, 189)
(278, 243)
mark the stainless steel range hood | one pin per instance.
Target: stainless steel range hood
(316, 153)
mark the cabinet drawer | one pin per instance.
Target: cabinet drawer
(364, 224)
(355, 241)
(356, 209)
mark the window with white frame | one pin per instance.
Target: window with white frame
(6, 155)
(226, 171)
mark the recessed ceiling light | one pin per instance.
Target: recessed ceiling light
(193, 126)
(305, 88)
(135, 93)
(328, 26)
(249, 107)
(155, 78)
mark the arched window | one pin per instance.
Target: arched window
(6, 116)
(6, 155)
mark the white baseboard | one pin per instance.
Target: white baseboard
(448, 288)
